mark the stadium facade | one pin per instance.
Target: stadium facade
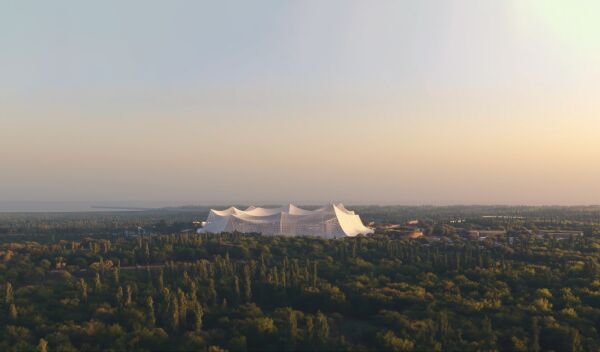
(331, 221)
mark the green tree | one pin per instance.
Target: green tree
(519, 345)
(9, 297)
(116, 276)
(146, 252)
(443, 327)
(161, 280)
(575, 340)
(199, 315)
(183, 307)
(212, 292)
(97, 283)
(12, 312)
(42, 346)
(173, 322)
(236, 289)
(128, 292)
(309, 332)
(390, 342)
(535, 335)
(150, 311)
(247, 284)
(322, 329)
(291, 330)
(488, 334)
(119, 295)
(194, 317)
(83, 289)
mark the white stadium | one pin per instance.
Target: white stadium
(330, 221)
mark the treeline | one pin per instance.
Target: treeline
(251, 292)
(434, 220)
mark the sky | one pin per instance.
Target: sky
(364, 102)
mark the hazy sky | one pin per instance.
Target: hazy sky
(408, 102)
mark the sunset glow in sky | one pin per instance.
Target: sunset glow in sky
(376, 102)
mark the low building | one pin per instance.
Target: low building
(330, 221)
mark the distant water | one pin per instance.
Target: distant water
(38, 207)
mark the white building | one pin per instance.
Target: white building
(330, 221)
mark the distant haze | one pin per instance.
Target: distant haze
(370, 102)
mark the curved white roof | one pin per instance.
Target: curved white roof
(330, 221)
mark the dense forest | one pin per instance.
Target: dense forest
(184, 291)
